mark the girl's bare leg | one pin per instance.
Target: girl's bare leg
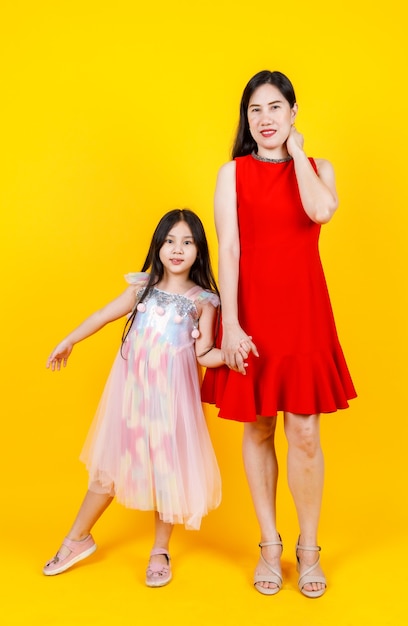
(158, 571)
(91, 509)
(162, 535)
(78, 544)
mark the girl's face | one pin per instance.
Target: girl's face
(179, 251)
(270, 119)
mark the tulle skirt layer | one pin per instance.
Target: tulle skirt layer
(149, 443)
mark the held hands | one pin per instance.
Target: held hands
(294, 142)
(235, 349)
(59, 355)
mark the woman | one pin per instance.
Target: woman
(270, 202)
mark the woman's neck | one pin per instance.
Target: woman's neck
(274, 154)
(271, 159)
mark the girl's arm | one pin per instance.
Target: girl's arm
(207, 356)
(119, 307)
(317, 191)
(226, 223)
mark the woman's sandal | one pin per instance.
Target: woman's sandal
(158, 575)
(275, 576)
(76, 551)
(306, 578)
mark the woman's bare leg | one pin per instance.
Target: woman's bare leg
(305, 478)
(262, 474)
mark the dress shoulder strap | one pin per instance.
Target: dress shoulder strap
(193, 292)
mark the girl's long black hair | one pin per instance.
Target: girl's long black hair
(244, 142)
(201, 272)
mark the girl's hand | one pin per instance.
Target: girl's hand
(294, 142)
(236, 346)
(59, 355)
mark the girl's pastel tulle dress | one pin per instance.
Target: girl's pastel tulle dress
(149, 443)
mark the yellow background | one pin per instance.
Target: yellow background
(112, 114)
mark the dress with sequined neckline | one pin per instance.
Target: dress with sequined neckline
(283, 303)
(149, 444)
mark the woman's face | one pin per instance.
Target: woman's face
(270, 119)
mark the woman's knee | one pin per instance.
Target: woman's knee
(261, 430)
(303, 433)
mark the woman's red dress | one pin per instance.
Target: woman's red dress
(283, 303)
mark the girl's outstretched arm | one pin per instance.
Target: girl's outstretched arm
(122, 305)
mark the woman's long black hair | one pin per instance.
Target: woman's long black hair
(244, 142)
(201, 272)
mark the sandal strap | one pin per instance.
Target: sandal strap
(159, 568)
(76, 546)
(159, 551)
(276, 575)
(310, 548)
(308, 577)
(262, 544)
(271, 543)
(273, 571)
(306, 580)
(267, 578)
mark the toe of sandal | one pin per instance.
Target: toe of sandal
(274, 576)
(75, 551)
(308, 578)
(267, 578)
(305, 580)
(157, 574)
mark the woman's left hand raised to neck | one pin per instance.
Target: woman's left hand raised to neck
(317, 191)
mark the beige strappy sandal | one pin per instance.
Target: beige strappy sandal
(274, 577)
(307, 577)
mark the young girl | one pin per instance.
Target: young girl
(149, 445)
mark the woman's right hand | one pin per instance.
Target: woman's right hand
(235, 348)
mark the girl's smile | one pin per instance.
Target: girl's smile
(179, 251)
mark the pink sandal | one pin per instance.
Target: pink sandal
(78, 550)
(158, 575)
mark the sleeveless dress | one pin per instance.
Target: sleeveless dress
(149, 444)
(283, 303)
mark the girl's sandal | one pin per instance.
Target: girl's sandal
(307, 577)
(274, 577)
(158, 575)
(75, 551)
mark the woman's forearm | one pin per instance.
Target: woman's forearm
(319, 198)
